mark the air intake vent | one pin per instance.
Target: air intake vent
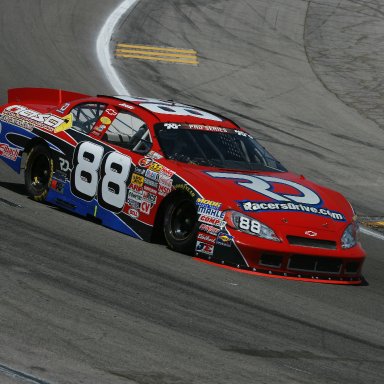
(271, 260)
(315, 264)
(315, 243)
(352, 267)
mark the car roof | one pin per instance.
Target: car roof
(45, 100)
(171, 111)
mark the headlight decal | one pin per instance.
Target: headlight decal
(250, 225)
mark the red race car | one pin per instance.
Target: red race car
(158, 169)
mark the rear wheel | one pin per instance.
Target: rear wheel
(38, 172)
(180, 225)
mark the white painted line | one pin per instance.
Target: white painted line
(102, 45)
(372, 233)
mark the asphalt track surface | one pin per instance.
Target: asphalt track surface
(83, 304)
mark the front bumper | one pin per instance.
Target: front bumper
(316, 263)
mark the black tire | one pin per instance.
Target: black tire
(180, 225)
(38, 172)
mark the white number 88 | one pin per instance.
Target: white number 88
(249, 225)
(112, 187)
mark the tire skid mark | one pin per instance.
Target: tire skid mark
(10, 203)
(21, 375)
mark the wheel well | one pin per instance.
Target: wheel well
(33, 143)
(157, 233)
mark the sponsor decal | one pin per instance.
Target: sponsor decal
(150, 189)
(204, 248)
(64, 164)
(135, 196)
(151, 183)
(212, 220)
(164, 190)
(58, 186)
(63, 108)
(32, 119)
(208, 128)
(9, 152)
(150, 197)
(16, 120)
(207, 203)
(252, 206)
(145, 207)
(137, 179)
(135, 187)
(205, 237)
(125, 105)
(166, 172)
(267, 185)
(242, 133)
(151, 175)
(105, 120)
(140, 171)
(186, 188)
(99, 128)
(213, 212)
(165, 181)
(299, 198)
(134, 204)
(145, 162)
(154, 155)
(155, 167)
(111, 112)
(134, 213)
(171, 125)
(223, 244)
(68, 123)
(209, 229)
(225, 237)
(60, 175)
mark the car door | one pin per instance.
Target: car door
(104, 177)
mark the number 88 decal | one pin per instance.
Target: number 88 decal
(111, 188)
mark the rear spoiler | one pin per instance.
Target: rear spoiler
(45, 96)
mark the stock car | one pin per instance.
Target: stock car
(161, 170)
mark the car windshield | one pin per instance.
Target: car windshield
(214, 146)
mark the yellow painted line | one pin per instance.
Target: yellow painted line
(152, 53)
(133, 51)
(153, 48)
(375, 224)
(145, 57)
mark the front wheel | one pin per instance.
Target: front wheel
(38, 172)
(180, 225)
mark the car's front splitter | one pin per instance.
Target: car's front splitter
(313, 278)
